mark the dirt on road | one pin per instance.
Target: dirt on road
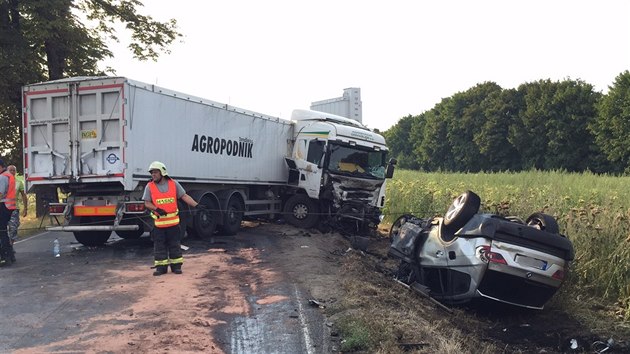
(242, 294)
(217, 305)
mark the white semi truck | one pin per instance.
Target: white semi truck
(93, 138)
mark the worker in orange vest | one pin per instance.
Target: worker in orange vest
(7, 205)
(160, 197)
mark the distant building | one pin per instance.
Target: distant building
(349, 105)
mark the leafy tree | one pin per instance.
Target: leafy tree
(501, 110)
(17, 65)
(569, 140)
(45, 39)
(398, 139)
(465, 119)
(434, 152)
(552, 130)
(612, 125)
(527, 134)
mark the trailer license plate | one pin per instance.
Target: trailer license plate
(531, 262)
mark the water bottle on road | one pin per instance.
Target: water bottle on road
(56, 248)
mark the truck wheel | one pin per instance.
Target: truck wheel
(93, 238)
(132, 234)
(543, 222)
(205, 222)
(301, 211)
(233, 216)
(462, 209)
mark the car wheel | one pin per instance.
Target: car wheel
(543, 222)
(462, 209)
(395, 229)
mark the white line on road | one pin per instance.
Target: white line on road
(32, 237)
(308, 343)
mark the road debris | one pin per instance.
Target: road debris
(316, 303)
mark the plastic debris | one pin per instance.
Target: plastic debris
(316, 303)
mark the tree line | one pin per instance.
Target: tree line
(544, 125)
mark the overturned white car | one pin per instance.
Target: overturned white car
(465, 255)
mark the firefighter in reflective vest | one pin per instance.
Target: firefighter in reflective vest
(160, 197)
(7, 205)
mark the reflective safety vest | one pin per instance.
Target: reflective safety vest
(166, 201)
(9, 200)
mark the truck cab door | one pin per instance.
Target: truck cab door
(308, 155)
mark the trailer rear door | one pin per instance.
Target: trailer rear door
(74, 131)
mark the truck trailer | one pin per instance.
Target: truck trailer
(93, 138)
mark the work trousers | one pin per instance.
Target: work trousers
(14, 224)
(167, 245)
(6, 250)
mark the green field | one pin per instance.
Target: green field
(593, 211)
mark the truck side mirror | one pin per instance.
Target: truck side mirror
(389, 172)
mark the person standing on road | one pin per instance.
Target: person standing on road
(7, 205)
(14, 222)
(160, 197)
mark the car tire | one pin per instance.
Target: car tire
(395, 229)
(543, 222)
(461, 210)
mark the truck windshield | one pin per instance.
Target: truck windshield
(356, 161)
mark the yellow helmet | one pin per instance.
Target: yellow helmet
(157, 165)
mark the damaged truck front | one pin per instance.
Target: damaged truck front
(339, 168)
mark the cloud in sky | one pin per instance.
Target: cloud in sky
(274, 56)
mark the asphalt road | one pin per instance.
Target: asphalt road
(39, 307)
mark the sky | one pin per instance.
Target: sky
(274, 56)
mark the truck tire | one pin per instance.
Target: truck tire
(233, 216)
(301, 211)
(205, 222)
(133, 234)
(93, 238)
(462, 209)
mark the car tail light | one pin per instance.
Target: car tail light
(56, 208)
(135, 207)
(491, 257)
(559, 274)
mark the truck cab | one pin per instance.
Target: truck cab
(339, 168)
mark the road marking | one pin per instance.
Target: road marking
(32, 237)
(308, 343)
